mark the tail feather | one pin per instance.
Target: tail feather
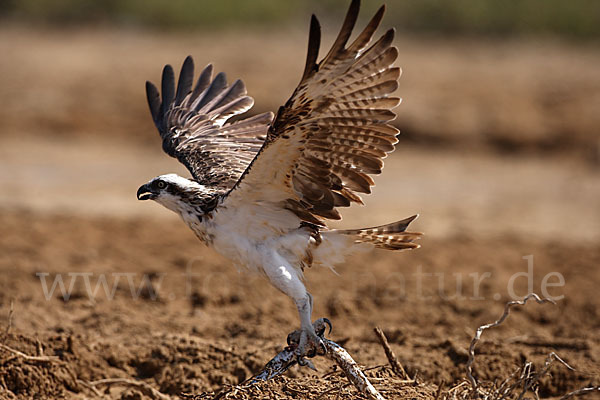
(389, 236)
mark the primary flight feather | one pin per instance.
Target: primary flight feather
(263, 187)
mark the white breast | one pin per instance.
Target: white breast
(249, 234)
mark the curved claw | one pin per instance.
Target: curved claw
(323, 349)
(301, 361)
(320, 326)
(310, 342)
(328, 323)
(305, 363)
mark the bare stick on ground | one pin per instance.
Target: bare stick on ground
(10, 317)
(523, 380)
(39, 359)
(287, 358)
(477, 337)
(389, 353)
(532, 377)
(579, 392)
(351, 369)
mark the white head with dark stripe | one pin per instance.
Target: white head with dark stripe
(178, 194)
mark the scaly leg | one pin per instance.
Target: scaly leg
(313, 347)
(309, 343)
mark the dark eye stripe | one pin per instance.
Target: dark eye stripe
(159, 184)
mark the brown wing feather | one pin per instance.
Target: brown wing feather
(193, 124)
(334, 131)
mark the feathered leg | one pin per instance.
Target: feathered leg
(287, 279)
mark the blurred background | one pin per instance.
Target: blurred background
(499, 120)
(499, 154)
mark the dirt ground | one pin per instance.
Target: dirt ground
(506, 181)
(202, 325)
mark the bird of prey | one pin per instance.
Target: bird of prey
(262, 188)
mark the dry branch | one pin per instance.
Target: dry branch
(523, 379)
(91, 388)
(40, 359)
(10, 318)
(532, 378)
(477, 337)
(287, 358)
(353, 372)
(438, 393)
(277, 366)
(578, 392)
(389, 353)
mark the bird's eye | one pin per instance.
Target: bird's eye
(161, 185)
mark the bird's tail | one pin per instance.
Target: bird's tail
(389, 236)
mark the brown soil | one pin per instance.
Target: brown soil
(229, 325)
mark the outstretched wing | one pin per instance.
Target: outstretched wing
(192, 124)
(333, 132)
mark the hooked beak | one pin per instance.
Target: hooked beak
(145, 193)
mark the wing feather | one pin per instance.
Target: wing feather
(314, 42)
(186, 80)
(168, 88)
(194, 129)
(201, 85)
(364, 38)
(153, 99)
(216, 87)
(333, 132)
(346, 30)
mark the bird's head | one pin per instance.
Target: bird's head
(178, 194)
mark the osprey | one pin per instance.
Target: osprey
(263, 187)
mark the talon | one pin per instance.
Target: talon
(319, 326)
(310, 365)
(309, 341)
(328, 323)
(301, 361)
(305, 363)
(323, 349)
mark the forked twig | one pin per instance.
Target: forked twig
(477, 337)
(287, 358)
(531, 378)
(40, 359)
(526, 378)
(89, 387)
